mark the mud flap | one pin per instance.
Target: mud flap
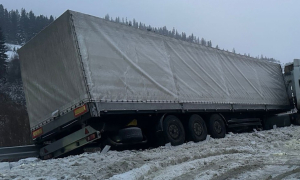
(295, 118)
(278, 120)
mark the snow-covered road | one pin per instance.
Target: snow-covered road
(272, 154)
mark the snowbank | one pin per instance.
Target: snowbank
(258, 155)
(12, 50)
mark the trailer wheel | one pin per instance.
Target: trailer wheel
(197, 130)
(296, 119)
(216, 126)
(131, 134)
(128, 135)
(173, 130)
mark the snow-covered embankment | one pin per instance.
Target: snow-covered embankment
(258, 155)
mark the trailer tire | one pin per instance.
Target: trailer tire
(128, 135)
(173, 130)
(197, 130)
(296, 119)
(131, 134)
(216, 126)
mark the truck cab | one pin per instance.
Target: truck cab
(292, 80)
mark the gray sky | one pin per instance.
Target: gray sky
(268, 27)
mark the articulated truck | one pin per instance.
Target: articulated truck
(91, 81)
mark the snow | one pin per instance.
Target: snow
(272, 154)
(11, 53)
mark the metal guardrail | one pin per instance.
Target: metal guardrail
(18, 152)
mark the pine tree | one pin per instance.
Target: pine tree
(106, 17)
(2, 20)
(51, 19)
(6, 24)
(177, 35)
(135, 24)
(191, 38)
(203, 42)
(209, 44)
(262, 57)
(140, 25)
(173, 32)
(14, 20)
(23, 27)
(32, 30)
(3, 56)
(183, 36)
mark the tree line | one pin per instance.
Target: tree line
(160, 30)
(20, 27)
(175, 34)
(14, 122)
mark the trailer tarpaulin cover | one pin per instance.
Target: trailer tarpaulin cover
(116, 62)
(51, 72)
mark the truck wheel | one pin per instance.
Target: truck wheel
(173, 130)
(296, 119)
(216, 126)
(197, 130)
(128, 135)
(131, 134)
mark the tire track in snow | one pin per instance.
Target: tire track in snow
(189, 169)
(270, 169)
(281, 176)
(224, 169)
(237, 170)
(187, 162)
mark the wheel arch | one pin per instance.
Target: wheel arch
(159, 126)
(223, 118)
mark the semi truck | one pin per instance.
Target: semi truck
(88, 81)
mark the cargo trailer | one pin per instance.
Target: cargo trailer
(92, 81)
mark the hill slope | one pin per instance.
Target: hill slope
(14, 124)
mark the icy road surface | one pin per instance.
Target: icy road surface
(272, 154)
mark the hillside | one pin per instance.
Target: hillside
(12, 85)
(14, 123)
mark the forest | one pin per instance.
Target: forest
(20, 27)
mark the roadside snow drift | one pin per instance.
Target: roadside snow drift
(272, 154)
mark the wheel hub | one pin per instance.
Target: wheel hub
(217, 127)
(173, 131)
(198, 129)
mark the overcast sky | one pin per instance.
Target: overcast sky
(268, 27)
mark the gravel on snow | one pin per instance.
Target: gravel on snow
(272, 154)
